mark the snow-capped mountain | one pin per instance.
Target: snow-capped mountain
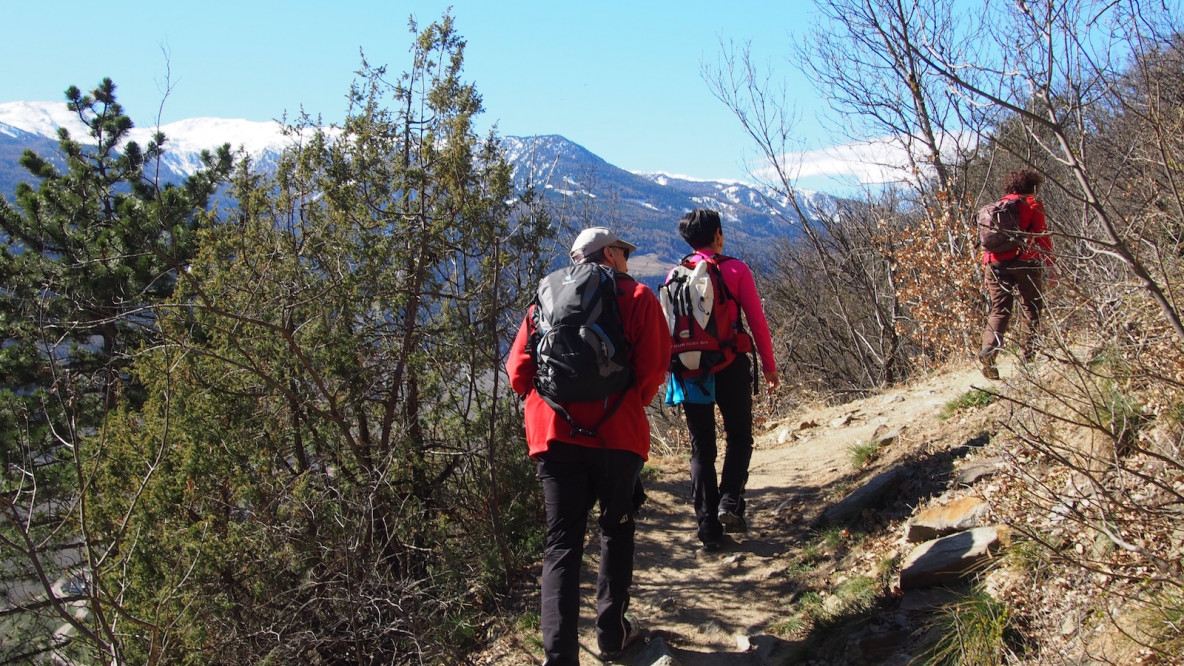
(646, 206)
(585, 188)
(184, 139)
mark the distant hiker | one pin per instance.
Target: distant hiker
(1016, 270)
(720, 378)
(591, 450)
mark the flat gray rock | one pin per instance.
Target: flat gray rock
(947, 560)
(869, 494)
(656, 653)
(974, 472)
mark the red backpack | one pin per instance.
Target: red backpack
(704, 318)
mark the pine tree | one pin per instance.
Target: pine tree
(87, 255)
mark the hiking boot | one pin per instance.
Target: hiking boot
(733, 523)
(987, 360)
(711, 546)
(633, 632)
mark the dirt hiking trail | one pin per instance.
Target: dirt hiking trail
(718, 609)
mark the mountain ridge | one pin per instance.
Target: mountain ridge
(645, 206)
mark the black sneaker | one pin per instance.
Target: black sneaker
(632, 633)
(733, 523)
(713, 546)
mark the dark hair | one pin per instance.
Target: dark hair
(1022, 181)
(698, 227)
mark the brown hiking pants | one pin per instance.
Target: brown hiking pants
(1004, 281)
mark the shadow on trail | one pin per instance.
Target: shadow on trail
(658, 644)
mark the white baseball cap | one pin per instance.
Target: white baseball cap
(593, 239)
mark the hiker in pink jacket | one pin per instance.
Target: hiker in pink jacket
(719, 505)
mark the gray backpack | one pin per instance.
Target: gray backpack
(999, 228)
(579, 344)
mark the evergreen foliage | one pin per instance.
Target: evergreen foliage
(87, 255)
(276, 431)
(325, 467)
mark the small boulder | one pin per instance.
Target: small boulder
(948, 560)
(871, 494)
(656, 653)
(883, 437)
(976, 471)
(938, 521)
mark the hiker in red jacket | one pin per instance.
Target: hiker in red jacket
(1017, 272)
(578, 469)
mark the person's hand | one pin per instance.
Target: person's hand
(771, 380)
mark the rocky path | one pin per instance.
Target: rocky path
(722, 609)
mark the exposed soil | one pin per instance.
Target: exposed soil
(725, 608)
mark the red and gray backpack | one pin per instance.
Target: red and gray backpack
(704, 318)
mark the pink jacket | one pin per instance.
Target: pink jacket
(739, 280)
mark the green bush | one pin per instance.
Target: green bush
(972, 399)
(863, 453)
(1120, 414)
(1163, 622)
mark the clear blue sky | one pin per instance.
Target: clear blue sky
(621, 78)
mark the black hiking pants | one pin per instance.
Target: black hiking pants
(733, 396)
(574, 479)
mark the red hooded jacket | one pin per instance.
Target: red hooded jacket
(628, 428)
(1032, 221)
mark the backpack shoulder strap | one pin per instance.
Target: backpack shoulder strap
(723, 287)
(714, 262)
(532, 317)
(1020, 203)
